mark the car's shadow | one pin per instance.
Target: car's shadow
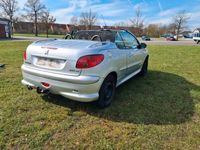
(158, 98)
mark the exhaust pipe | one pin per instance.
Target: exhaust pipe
(29, 88)
(41, 91)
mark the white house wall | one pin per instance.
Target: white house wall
(6, 25)
(196, 31)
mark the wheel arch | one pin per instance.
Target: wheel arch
(147, 57)
(113, 73)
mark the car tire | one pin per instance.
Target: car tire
(107, 92)
(144, 69)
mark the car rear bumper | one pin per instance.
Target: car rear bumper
(79, 88)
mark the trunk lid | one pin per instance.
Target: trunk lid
(59, 56)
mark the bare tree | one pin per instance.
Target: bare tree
(153, 30)
(74, 20)
(179, 21)
(47, 20)
(34, 9)
(171, 28)
(163, 29)
(9, 7)
(88, 19)
(138, 20)
(121, 24)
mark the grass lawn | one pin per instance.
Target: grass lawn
(159, 111)
(40, 35)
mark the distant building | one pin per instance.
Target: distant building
(5, 28)
(187, 34)
(28, 27)
(197, 30)
(196, 35)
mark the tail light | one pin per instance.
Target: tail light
(46, 85)
(89, 61)
(24, 55)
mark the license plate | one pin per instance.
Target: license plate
(49, 63)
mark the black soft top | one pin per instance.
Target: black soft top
(98, 35)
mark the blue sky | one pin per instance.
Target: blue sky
(114, 11)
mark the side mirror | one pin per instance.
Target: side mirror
(142, 45)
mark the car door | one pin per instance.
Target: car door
(121, 54)
(134, 54)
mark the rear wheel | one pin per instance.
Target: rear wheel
(107, 92)
(144, 69)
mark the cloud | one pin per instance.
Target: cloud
(164, 17)
(169, 12)
(110, 22)
(160, 5)
(21, 3)
(63, 15)
(131, 4)
(163, 21)
(112, 12)
(63, 11)
(112, 9)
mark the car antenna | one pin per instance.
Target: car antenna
(103, 20)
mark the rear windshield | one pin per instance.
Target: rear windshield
(104, 35)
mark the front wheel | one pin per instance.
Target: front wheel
(107, 92)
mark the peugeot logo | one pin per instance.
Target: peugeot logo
(47, 52)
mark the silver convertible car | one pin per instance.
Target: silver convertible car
(86, 66)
